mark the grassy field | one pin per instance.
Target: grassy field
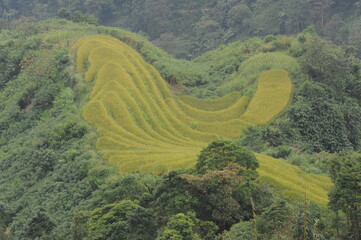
(143, 127)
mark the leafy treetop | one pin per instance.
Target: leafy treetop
(218, 154)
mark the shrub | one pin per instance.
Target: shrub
(279, 152)
(218, 154)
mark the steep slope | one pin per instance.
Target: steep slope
(143, 127)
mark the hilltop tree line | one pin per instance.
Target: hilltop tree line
(190, 28)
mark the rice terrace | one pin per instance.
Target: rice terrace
(144, 127)
(180, 120)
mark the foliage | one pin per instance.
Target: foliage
(218, 189)
(317, 109)
(279, 151)
(172, 197)
(308, 222)
(282, 220)
(345, 170)
(273, 219)
(218, 154)
(115, 221)
(179, 226)
(189, 29)
(47, 155)
(241, 230)
(77, 16)
(318, 60)
(316, 163)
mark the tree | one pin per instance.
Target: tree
(130, 186)
(64, 13)
(9, 14)
(319, 119)
(320, 9)
(39, 226)
(115, 221)
(294, 15)
(94, 7)
(218, 154)
(179, 227)
(78, 16)
(141, 224)
(337, 30)
(324, 62)
(172, 197)
(225, 185)
(241, 230)
(274, 218)
(237, 15)
(5, 219)
(345, 170)
(2, 23)
(217, 191)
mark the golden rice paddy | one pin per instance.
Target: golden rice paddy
(143, 127)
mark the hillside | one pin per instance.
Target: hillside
(188, 29)
(144, 128)
(64, 141)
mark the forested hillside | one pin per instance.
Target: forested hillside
(103, 135)
(190, 28)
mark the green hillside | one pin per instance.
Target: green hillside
(143, 127)
(103, 136)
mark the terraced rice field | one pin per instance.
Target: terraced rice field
(251, 69)
(143, 127)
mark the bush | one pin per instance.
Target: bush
(279, 152)
(218, 154)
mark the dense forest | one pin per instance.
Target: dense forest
(55, 182)
(189, 28)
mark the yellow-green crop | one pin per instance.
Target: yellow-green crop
(211, 104)
(274, 87)
(143, 127)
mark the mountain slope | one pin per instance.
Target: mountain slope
(50, 169)
(143, 128)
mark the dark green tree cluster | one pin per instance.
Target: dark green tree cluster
(345, 197)
(77, 16)
(122, 220)
(179, 205)
(325, 113)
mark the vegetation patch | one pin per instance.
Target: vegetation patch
(245, 79)
(143, 127)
